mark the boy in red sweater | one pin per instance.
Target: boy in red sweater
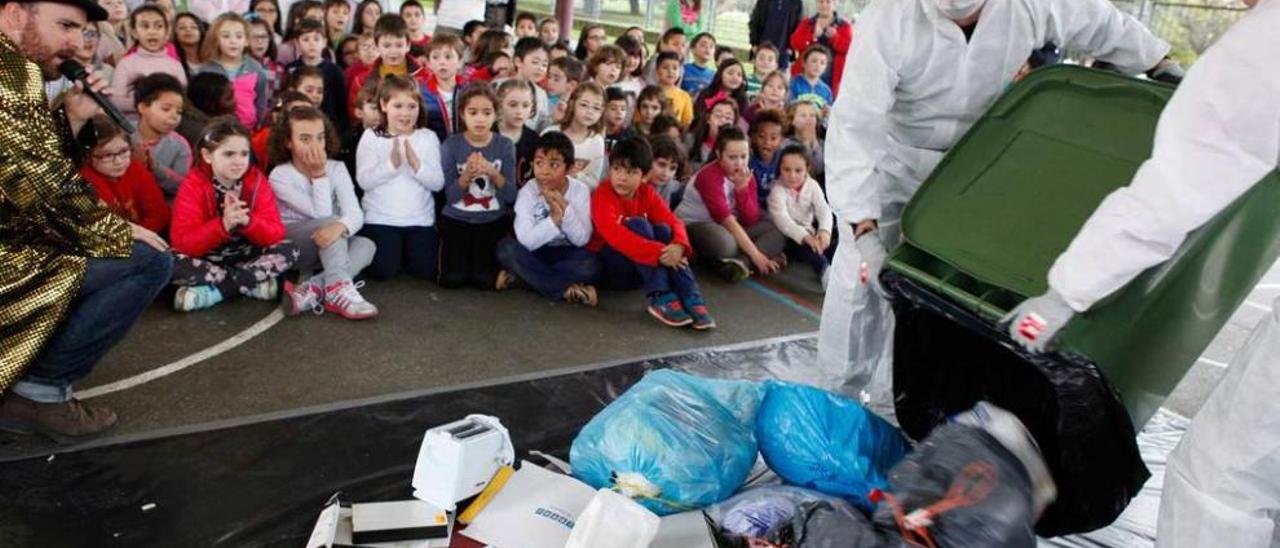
(641, 243)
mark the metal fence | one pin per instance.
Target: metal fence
(1190, 26)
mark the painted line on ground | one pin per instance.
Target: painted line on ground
(790, 300)
(1257, 306)
(1214, 363)
(44, 452)
(1267, 286)
(142, 378)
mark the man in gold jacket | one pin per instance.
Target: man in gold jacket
(73, 277)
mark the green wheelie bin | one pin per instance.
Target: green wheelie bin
(981, 235)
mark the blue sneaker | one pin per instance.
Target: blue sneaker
(666, 308)
(697, 308)
(196, 297)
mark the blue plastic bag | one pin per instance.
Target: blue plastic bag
(673, 442)
(822, 441)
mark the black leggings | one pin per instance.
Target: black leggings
(468, 252)
(413, 249)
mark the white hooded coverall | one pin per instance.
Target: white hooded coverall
(913, 85)
(1218, 136)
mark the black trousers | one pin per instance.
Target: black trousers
(468, 252)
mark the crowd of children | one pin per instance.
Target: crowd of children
(308, 150)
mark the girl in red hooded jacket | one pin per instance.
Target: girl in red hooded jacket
(226, 231)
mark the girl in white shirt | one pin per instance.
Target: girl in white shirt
(800, 210)
(318, 205)
(398, 166)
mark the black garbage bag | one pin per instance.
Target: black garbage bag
(960, 488)
(821, 525)
(946, 359)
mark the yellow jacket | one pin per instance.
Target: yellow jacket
(50, 221)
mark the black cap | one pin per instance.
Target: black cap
(92, 10)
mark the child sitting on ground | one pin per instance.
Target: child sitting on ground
(321, 216)
(800, 211)
(724, 215)
(159, 101)
(122, 182)
(553, 222)
(398, 166)
(226, 231)
(641, 243)
(480, 188)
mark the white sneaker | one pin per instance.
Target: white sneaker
(343, 299)
(267, 290)
(305, 296)
(196, 297)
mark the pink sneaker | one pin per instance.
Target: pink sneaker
(304, 296)
(342, 298)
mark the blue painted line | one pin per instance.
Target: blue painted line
(786, 301)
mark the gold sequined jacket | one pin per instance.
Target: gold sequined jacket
(50, 222)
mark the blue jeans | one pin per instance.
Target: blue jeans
(801, 252)
(621, 272)
(550, 269)
(112, 295)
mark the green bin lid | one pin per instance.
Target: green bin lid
(986, 226)
(1010, 196)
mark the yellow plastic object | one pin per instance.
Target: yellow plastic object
(496, 484)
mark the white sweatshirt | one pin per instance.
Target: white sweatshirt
(399, 196)
(795, 213)
(301, 198)
(534, 227)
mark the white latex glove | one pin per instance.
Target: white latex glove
(1035, 323)
(873, 253)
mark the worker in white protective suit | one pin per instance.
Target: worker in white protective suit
(919, 74)
(1218, 136)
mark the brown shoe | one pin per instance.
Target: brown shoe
(581, 294)
(505, 280)
(66, 422)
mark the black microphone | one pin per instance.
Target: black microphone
(75, 72)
